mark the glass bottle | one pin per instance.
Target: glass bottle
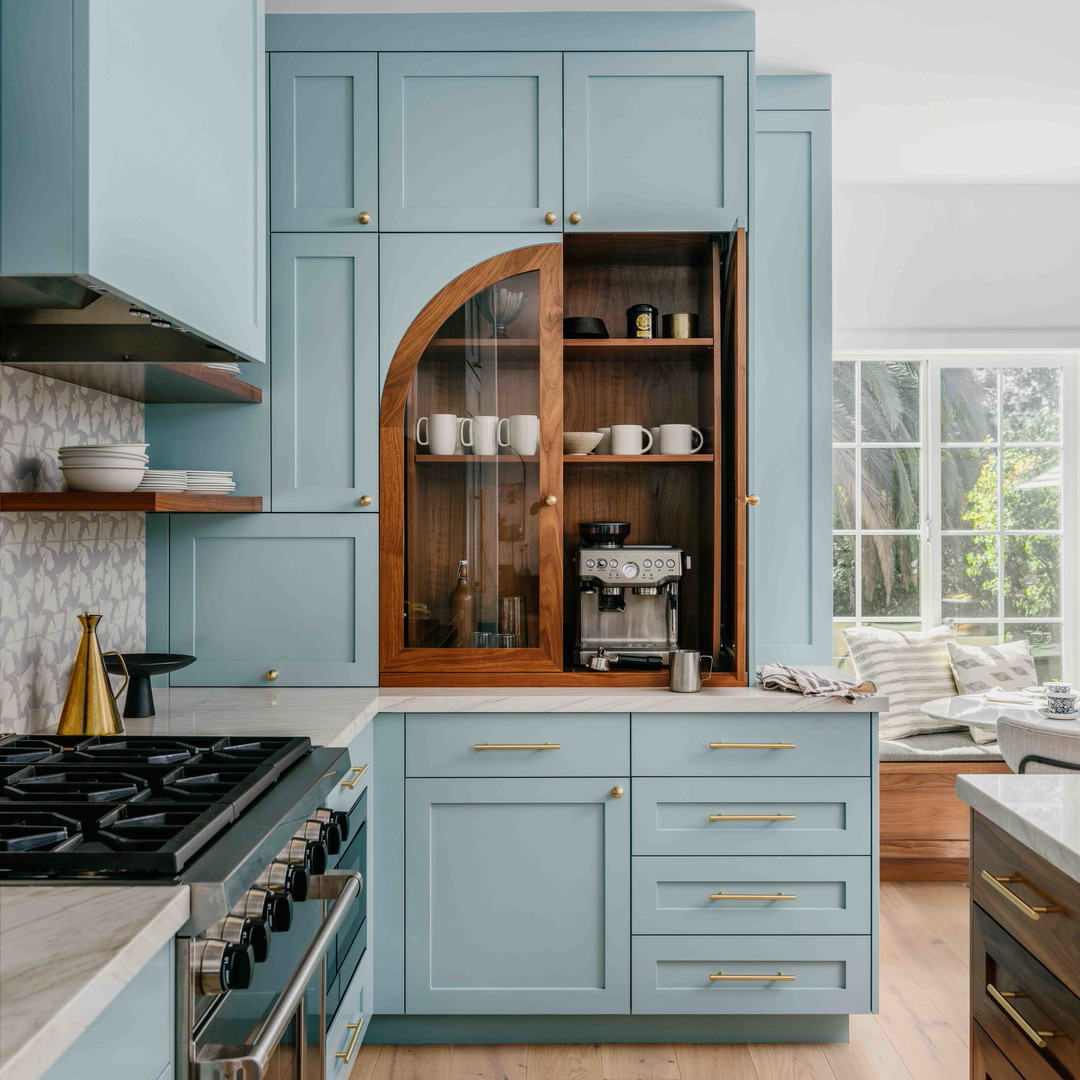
(463, 605)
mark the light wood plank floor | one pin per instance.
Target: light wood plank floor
(920, 1034)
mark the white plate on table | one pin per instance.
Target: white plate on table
(1059, 716)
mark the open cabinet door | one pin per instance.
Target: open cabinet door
(471, 505)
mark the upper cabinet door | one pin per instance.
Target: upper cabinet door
(323, 142)
(470, 141)
(655, 142)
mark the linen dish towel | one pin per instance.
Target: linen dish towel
(811, 683)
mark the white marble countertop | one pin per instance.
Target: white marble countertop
(1041, 811)
(67, 951)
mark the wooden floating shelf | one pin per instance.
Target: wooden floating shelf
(480, 459)
(637, 459)
(129, 502)
(638, 343)
(154, 384)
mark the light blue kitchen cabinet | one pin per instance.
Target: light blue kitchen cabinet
(282, 599)
(790, 449)
(470, 142)
(133, 156)
(325, 373)
(517, 896)
(323, 141)
(655, 141)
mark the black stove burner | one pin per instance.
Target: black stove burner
(115, 805)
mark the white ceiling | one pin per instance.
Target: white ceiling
(924, 91)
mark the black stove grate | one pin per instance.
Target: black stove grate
(105, 805)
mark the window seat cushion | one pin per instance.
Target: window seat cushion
(938, 746)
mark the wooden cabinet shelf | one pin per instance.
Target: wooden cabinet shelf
(637, 459)
(481, 459)
(129, 502)
(670, 347)
(154, 384)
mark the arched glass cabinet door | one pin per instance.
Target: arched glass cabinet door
(471, 462)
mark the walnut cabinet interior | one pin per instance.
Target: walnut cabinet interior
(498, 494)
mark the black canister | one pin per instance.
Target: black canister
(642, 321)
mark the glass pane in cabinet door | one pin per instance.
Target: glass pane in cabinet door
(472, 474)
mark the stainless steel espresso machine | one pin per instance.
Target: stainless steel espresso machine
(628, 603)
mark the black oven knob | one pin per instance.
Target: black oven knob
(323, 832)
(272, 909)
(288, 879)
(244, 931)
(334, 817)
(310, 854)
(222, 965)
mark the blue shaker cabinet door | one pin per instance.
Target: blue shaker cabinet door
(470, 141)
(518, 897)
(655, 141)
(790, 448)
(325, 372)
(295, 594)
(323, 142)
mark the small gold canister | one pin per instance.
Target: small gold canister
(681, 324)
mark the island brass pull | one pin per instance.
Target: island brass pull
(272, 675)
(549, 218)
(751, 746)
(575, 218)
(365, 500)
(355, 1029)
(1037, 1037)
(517, 746)
(364, 217)
(998, 884)
(778, 977)
(753, 500)
(751, 817)
(617, 791)
(359, 771)
(751, 896)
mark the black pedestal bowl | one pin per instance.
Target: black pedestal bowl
(140, 667)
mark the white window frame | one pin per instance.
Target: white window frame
(929, 446)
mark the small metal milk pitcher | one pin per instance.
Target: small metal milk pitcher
(685, 668)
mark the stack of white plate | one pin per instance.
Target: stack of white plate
(226, 367)
(208, 482)
(172, 480)
(112, 467)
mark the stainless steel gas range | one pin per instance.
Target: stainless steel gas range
(278, 909)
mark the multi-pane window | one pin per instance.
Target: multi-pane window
(952, 483)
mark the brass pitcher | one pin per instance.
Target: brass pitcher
(90, 705)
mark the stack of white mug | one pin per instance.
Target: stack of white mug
(447, 435)
(626, 440)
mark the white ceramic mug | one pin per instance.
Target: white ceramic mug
(626, 439)
(481, 433)
(655, 433)
(604, 446)
(1061, 704)
(679, 439)
(522, 433)
(441, 433)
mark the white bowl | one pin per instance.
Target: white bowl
(105, 461)
(581, 442)
(131, 448)
(93, 478)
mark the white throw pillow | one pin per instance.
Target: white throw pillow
(911, 668)
(978, 668)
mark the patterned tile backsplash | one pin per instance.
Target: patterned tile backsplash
(54, 566)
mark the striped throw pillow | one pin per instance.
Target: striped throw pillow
(912, 668)
(979, 668)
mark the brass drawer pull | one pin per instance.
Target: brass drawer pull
(778, 977)
(751, 817)
(1037, 1037)
(751, 746)
(517, 746)
(751, 896)
(359, 771)
(999, 883)
(355, 1029)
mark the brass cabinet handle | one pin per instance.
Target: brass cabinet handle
(751, 746)
(751, 817)
(359, 770)
(517, 746)
(272, 674)
(751, 896)
(753, 500)
(365, 500)
(575, 218)
(355, 1029)
(778, 977)
(551, 500)
(1037, 1037)
(550, 218)
(364, 217)
(998, 883)
(617, 791)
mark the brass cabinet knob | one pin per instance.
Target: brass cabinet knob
(575, 218)
(272, 674)
(549, 218)
(753, 500)
(551, 500)
(617, 791)
(364, 217)
(365, 500)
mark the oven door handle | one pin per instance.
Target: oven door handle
(249, 1062)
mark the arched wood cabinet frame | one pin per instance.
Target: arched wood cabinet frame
(396, 656)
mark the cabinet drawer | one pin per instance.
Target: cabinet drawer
(739, 896)
(346, 1033)
(749, 744)
(987, 1061)
(507, 744)
(680, 975)
(357, 780)
(742, 815)
(1053, 936)
(1033, 1017)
